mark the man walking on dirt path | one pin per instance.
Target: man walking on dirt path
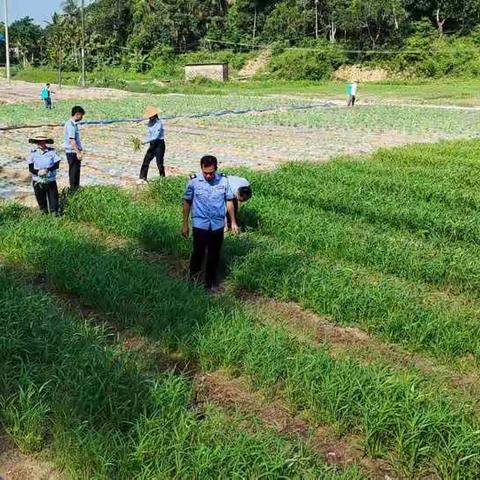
(156, 149)
(208, 197)
(73, 146)
(352, 93)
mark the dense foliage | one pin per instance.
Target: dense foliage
(143, 35)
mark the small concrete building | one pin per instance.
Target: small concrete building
(212, 71)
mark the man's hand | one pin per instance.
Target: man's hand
(234, 229)
(43, 172)
(80, 156)
(185, 230)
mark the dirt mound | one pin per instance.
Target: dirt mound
(362, 74)
(256, 64)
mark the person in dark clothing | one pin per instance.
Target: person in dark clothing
(43, 163)
(207, 198)
(156, 140)
(73, 146)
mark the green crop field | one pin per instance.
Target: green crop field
(346, 344)
(421, 120)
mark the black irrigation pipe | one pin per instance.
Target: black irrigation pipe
(219, 113)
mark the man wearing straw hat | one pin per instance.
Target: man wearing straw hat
(156, 139)
(43, 163)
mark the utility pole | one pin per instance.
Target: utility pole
(83, 42)
(7, 44)
(316, 19)
(255, 25)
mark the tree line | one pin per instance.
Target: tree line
(121, 32)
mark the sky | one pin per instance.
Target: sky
(39, 10)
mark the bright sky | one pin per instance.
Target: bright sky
(39, 10)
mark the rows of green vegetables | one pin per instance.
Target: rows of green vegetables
(134, 107)
(64, 387)
(420, 430)
(408, 119)
(415, 289)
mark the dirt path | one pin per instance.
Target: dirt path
(17, 466)
(359, 344)
(24, 92)
(234, 394)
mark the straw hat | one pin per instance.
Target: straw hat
(151, 111)
(41, 137)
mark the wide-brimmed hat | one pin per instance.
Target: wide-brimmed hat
(41, 137)
(151, 111)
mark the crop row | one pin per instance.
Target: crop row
(325, 189)
(133, 107)
(412, 120)
(63, 386)
(417, 429)
(307, 256)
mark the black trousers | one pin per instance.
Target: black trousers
(351, 101)
(209, 242)
(155, 150)
(74, 166)
(47, 196)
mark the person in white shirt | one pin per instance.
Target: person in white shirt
(242, 192)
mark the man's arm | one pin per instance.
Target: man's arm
(73, 144)
(187, 206)
(231, 213)
(75, 148)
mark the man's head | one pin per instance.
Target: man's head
(209, 166)
(48, 85)
(244, 194)
(78, 113)
(42, 141)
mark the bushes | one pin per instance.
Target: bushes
(428, 55)
(307, 63)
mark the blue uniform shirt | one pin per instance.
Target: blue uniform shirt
(43, 160)
(71, 131)
(208, 201)
(155, 130)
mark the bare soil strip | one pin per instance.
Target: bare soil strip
(15, 465)
(235, 395)
(356, 342)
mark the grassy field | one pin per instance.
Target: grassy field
(382, 252)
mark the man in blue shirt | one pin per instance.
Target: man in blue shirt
(156, 139)
(43, 163)
(208, 197)
(73, 146)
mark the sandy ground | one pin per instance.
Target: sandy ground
(110, 159)
(17, 466)
(19, 91)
